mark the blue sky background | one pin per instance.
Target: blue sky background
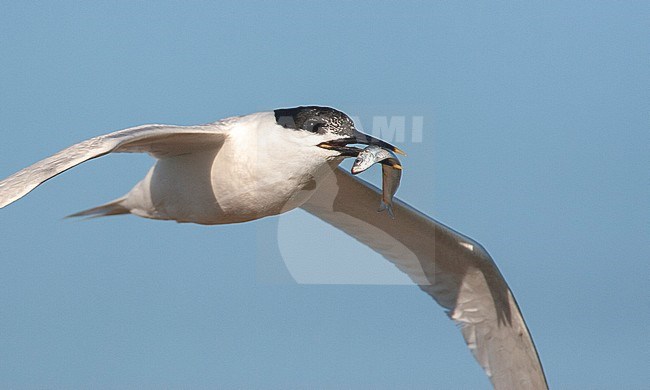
(536, 119)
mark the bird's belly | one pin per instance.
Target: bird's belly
(258, 201)
(245, 193)
(201, 189)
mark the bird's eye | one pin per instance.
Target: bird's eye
(314, 125)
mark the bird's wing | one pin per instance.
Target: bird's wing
(455, 270)
(157, 140)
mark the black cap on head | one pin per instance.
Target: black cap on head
(320, 120)
(327, 120)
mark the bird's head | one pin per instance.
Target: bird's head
(336, 129)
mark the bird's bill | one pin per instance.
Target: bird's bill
(393, 163)
(341, 144)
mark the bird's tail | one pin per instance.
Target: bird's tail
(115, 207)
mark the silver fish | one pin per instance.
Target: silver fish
(391, 170)
(368, 156)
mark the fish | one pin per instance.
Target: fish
(368, 156)
(391, 173)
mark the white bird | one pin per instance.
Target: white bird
(248, 167)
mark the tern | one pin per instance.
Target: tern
(248, 167)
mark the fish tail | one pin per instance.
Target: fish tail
(386, 206)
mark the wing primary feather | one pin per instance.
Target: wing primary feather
(456, 271)
(157, 140)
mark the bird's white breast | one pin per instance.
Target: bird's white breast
(261, 169)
